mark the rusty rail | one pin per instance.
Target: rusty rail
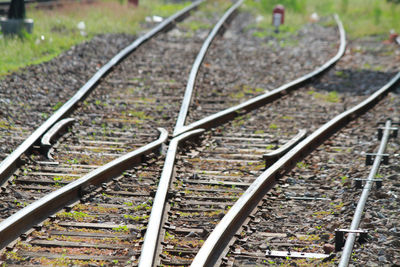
(215, 244)
(9, 164)
(39, 210)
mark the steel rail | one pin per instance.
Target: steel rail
(251, 104)
(196, 66)
(39, 210)
(9, 164)
(151, 238)
(57, 128)
(211, 251)
(351, 237)
(272, 156)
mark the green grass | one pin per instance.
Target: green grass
(330, 97)
(56, 30)
(360, 17)
(196, 25)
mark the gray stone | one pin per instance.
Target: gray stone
(325, 237)
(395, 243)
(382, 238)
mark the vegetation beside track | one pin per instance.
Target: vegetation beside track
(360, 17)
(57, 30)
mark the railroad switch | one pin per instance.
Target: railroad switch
(340, 240)
(369, 158)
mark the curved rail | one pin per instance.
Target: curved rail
(213, 247)
(57, 128)
(151, 239)
(36, 212)
(196, 65)
(9, 164)
(273, 156)
(151, 242)
(351, 237)
(251, 104)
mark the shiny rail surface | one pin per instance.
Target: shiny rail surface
(215, 244)
(351, 237)
(51, 134)
(196, 65)
(151, 239)
(24, 219)
(9, 164)
(276, 154)
(181, 133)
(268, 97)
(150, 246)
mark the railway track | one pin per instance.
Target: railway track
(112, 221)
(295, 222)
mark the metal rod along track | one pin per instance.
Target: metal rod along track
(177, 140)
(9, 164)
(348, 247)
(213, 247)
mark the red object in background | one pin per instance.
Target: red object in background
(278, 15)
(134, 2)
(392, 37)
